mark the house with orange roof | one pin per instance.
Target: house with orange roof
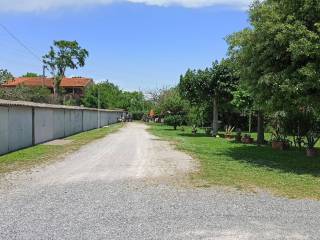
(71, 86)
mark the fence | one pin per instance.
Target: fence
(24, 124)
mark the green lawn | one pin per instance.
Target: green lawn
(248, 167)
(29, 157)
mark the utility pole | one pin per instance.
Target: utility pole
(99, 108)
(43, 74)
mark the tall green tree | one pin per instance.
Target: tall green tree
(171, 103)
(173, 107)
(278, 57)
(213, 85)
(63, 55)
(103, 95)
(5, 75)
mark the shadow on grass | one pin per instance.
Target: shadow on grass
(183, 134)
(291, 161)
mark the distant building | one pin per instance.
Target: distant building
(72, 86)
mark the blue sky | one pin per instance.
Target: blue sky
(135, 45)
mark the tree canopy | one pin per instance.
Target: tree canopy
(5, 75)
(214, 84)
(63, 55)
(278, 57)
(31, 74)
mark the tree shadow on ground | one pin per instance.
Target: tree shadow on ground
(184, 134)
(291, 161)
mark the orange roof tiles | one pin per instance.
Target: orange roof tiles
(75, 82)
(48, 82)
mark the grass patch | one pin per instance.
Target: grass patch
(39, 154)
(249, 167)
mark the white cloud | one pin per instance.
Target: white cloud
(43, 5)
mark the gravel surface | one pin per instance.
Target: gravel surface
(121, 187)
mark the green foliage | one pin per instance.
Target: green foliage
(278, 57)
(312, 139)
(137, 115)
(112, 97)
(70, 102)
(196, 115)
(5, 75)
(174, 120)
(211, 86)
(63, 55)
(134, 102)
(171, 103)
(31, 74)
(106, 92)
(242, 100)
(200, 86)
(22, 93)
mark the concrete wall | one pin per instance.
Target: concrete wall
(90, 120)
(20, 128)
(24, 126)
(4, 130)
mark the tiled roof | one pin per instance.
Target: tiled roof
(75, 82)
(48, 82)
(29, 81)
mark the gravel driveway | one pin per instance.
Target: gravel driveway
(125, 187)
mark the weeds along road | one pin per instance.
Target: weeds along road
(131, 185)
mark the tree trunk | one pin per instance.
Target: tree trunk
(56, 84)
(215, 122)
(250, 121)
(260, 138)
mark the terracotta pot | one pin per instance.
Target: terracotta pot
(312, 152)
(279, 145)
(228, 136)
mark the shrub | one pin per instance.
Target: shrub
(174, 120)
(22, 93)
(137, 115)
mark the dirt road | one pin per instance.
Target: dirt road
(130, 153)
(106, 191)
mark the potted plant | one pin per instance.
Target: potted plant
(312, 139)
(279, 141)
(247, 139)
(228, 131)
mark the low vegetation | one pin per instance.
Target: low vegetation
(248, 167)
(40, 154)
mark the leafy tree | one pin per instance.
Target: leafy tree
(174, 120)
(63, 55)
(132, 101)
(243, 101)
(213, 85)
(5, 75)
(31, 74)
(171, 103)
(278, 56)
(172, 106)
(104, 95)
